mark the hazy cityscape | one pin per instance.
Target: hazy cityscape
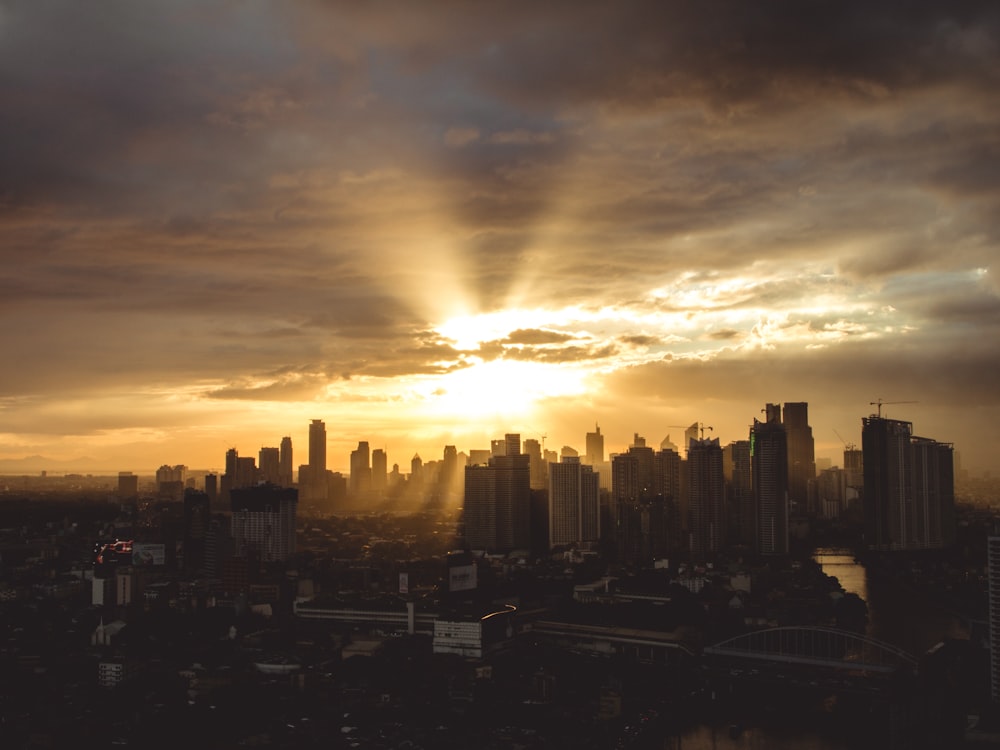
(505, 375)
(696, 594)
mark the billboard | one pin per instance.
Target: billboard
(462, 577)
(146, 553)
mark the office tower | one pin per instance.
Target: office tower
(536, 467)
(933, 492)
(706, 497)
(909, 493)
(854, 466)
(263, 521)
(246, 472)
(595, 447)
(285, 462)
(498, 448)
(380, 471)
(317, 446)
(641, 519)
(801, 454)
(512, 444)
(769, 468)
(231, 456)
(569, 451)
(314, 483)
(128, 485)
(416, 470)
(740, 503)
(574, 503)
(361, 469)
(269, 465)
(993, 575)
(497, 502)
(451, 476)
(888, 504)
(197, 517)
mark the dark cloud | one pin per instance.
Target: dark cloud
(251, 202)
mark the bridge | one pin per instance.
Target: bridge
(819, 647)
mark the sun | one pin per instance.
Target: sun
(499, 391)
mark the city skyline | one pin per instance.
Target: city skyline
(434, 225)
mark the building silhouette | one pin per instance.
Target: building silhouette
(269, 465)
(993, 576)
(380, 471)
(263, 521)
(197, 518)
(574, 503)
(497, 506)
(909, 496)
(706, 497)
(801, 455)
(739, 493)
(769, 469)
(313, 484)
(595, 447)
(361, 470)
(285, 463)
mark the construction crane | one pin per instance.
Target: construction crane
(847, 446)
(880, 403)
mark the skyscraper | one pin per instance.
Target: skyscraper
(361, 469)
(269, 465)
(498, 501)
(314, 484)
(706, 497)
(769, 467)
(742, 521)
(380, 471)
(574, 510)
(801, 454)
(888, 502)
(317, 447)
(595, 447)
(285, 464)
(909, 493)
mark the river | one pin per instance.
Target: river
(894, 616)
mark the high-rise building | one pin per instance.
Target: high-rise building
(739, 480)
(993, 576)
(263, 521)
(801, 454)
(595, 447)
(197, 517)
(380, 471)
(888, 503)
(498, 501)
(909, 491)
(314, 483)
(361, 469)
(317, 446)
(536, 467)
(269, 465)
(769, 468)
(285, 463)
(706, 497)
(574, 503)
(128, 485)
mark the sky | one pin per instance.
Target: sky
(434, 223)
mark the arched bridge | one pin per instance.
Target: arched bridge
(817, 646)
